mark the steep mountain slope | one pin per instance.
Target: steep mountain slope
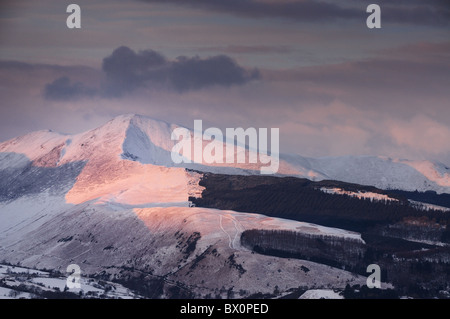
(194, 248)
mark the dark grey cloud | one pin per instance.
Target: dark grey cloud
(432, 12)
(16, 65)
(195, 73)
(63, 89)
(127, 71)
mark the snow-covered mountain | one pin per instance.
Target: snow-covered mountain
(111, 199)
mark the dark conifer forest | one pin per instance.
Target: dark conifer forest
(411, 244)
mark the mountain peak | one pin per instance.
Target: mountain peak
(120, 122)
(128, 117)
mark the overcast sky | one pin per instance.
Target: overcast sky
(311, 68)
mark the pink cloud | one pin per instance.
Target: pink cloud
(421, 133)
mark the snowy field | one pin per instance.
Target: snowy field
(15, 282)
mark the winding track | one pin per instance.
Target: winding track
(232, 242)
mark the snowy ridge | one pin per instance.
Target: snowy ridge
(144, 140)
(234, 223)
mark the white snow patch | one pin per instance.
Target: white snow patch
(321, 294)
(5, 269)
(359, 194)
(426, 206)
(7, 293)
